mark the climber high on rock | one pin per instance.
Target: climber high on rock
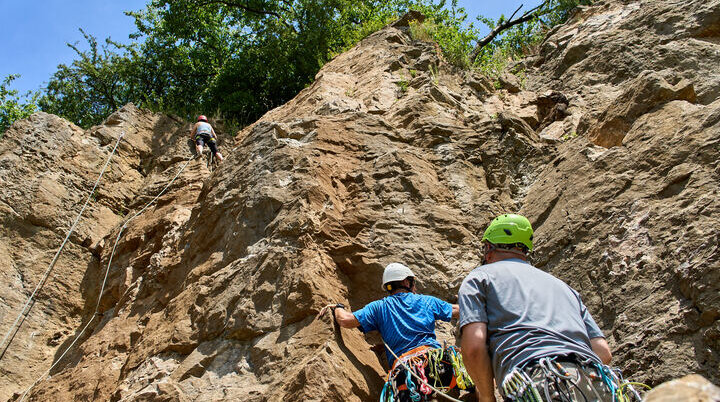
(406, 322)
(528, 329)
(202, 133)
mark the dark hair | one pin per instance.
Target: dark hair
(395, 285)
(502, 246)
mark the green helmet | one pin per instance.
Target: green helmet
(510, 229)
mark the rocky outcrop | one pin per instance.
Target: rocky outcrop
(391, 155)
(48, 167)
(689, 388)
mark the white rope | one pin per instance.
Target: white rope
(25, 310)
(444, 395)
(102, 288)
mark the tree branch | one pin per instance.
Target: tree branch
(527, 16)
(246, 7)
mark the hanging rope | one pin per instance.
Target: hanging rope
(96, 313)
(28, 304)
(420, 380)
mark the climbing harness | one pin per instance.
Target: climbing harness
(97, 313)
(551, 380)
(10, 335)
(415, 363)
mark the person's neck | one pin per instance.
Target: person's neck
(500, 255)
(399, 291)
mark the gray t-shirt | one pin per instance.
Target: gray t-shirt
(529, 314)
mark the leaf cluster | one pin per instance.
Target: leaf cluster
(237, 59)
(522, 39)
(12, 105)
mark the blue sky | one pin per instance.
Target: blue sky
(37, 30)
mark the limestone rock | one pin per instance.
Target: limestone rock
(510, 82)
(49, 167)
(213, 293)
(689, 388)
(644, 93)
(611, 53)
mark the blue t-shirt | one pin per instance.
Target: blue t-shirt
(405, 320)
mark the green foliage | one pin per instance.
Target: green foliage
(240, 58)
(243, 58)
(423, 31)
(434, 74)
(94, 85)
(12, 106)
(402, 86)
(446, 26)
(518, 41)
(569, 136)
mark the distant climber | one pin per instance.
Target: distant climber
(528, 329)
(202, 133)
(406, 322)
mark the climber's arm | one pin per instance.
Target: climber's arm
(345, 318)
(477, 359)
(455, 311)
(602, 349)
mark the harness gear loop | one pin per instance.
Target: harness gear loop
(557, 382)
(415, 361)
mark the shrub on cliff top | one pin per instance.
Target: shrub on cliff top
(12, 106)
(241, 58)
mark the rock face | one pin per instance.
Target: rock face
(621, 59)
(689, 388)
(390, 155)
(47, 168)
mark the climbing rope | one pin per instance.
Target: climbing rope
(25, 310)
(389, 391)
(423, 382)
(97, 313)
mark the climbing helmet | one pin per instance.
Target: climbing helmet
(510, 229)
(395, 272)
(202, 118)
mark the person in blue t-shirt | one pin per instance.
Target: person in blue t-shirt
(405, 319)
(406, 322)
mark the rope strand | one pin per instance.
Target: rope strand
(25, 310)
(444, 395)
(102, 288)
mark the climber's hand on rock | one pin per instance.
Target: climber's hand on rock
(325, 310)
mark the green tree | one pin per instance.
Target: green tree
(12, 106)
(239, 58)
(92, 86)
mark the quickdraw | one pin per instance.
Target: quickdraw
(558, 384)
(461, 375)
(429, 367)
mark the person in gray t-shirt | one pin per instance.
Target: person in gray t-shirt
(513, 314)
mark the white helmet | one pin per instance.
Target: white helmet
(395, 272)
